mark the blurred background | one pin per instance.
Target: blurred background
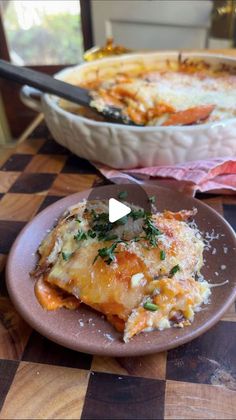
(50, 35)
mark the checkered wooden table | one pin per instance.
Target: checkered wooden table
(40, 379)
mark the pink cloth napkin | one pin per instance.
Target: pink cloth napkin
(217, 175)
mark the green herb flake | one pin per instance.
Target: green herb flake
(122, 195)
(162, 255)
(174, 270)
(110, 237)
(99, 217)
(149, 306)
(122, 221)
(80, 236)
(101, 225)
(93, 213)
(152, 199)
(103, 234)
(107, 254)
(91, 233)
(152, 232)
(103, 228)
(78, 220)
(137, 214)
(66, 255)
(136, 239)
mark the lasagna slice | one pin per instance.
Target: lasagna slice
(140, 272)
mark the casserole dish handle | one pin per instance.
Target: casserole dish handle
(31, 97)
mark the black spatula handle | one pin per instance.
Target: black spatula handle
(45, 83)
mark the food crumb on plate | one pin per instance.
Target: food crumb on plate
(109, 337)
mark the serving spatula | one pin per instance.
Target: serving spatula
(49, 84)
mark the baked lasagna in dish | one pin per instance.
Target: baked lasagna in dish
(164, 94)
(142, 272)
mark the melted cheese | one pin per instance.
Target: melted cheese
(177, 91)
(71, 272)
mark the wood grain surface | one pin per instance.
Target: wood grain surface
(45, 392)
(194, 401)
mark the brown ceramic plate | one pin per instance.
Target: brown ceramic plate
(87, 331)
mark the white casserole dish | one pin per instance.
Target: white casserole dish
(122, 146)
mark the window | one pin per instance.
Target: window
(43, 32)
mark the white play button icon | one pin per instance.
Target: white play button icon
(117, 210)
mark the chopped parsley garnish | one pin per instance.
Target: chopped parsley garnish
(122, 195)
(152, 199)
(174, 270)
(162, 255)
(78, 220)
(101, 225)
(110, 237)
(136, 239)
(152, 232)
(150, 306)
(107, 254)
(80, 236)
(100, 217)
(137, 214)
(92, 212)
(104, 231)
(66, 255)
(91, 233)
(122, 221)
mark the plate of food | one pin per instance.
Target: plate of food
(150, 281)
